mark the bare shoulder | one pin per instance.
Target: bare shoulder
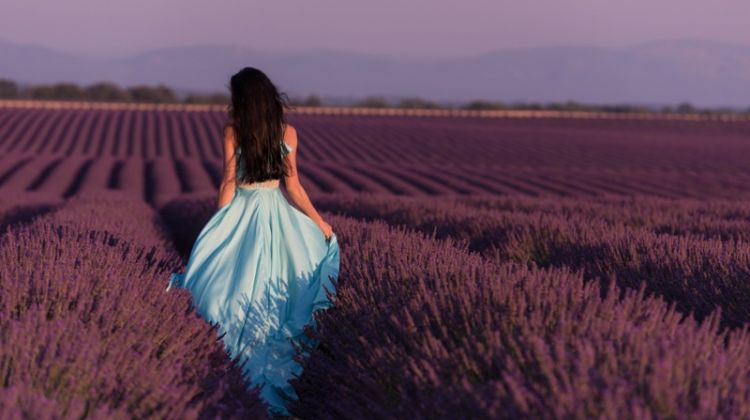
(228, 132)
(290, 135)
(228, 128)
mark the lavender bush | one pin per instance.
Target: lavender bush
(118, 214)
(185, 217)
(680, 248)
(21, 207)
(84, 320)
(425, 329)
(24, 402)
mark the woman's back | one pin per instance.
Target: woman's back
(240, 165)
(240, 168)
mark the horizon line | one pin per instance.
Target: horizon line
(396, 112)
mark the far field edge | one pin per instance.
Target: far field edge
(343, 111)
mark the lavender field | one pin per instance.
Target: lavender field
(493, 267)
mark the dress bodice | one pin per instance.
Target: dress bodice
(285, 149)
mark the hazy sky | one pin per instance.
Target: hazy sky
(398, 27)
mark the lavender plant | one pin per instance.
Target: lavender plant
(84, 320)
(425, 329)
(691, 253)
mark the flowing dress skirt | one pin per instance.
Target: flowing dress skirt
(260, 268)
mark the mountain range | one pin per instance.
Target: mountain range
(704, 73)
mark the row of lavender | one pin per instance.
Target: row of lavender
(425, 327)
(538, 142)
(160, 154)
(85, 330)
(693, 253)
(159, 180)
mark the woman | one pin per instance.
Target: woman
(260, 267)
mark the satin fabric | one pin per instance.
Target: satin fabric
(260, 268)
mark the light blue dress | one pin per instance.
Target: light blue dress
(259, 268)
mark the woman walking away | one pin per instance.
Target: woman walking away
(260, 267)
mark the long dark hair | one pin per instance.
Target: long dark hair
(257, 114)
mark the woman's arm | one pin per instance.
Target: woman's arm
(228, 181)
(297, 194)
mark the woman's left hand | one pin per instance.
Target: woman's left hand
(327, 230)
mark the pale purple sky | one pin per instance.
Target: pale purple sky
(399, 27)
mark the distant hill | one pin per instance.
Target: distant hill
(666, 72)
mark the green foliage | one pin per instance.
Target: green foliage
(482, 105)
(418, 103)
(373, 102)
(107, 92)
(685, 107)
(62, 91)
(312, 100)
(158, 94)
(8, 89)
(213, 98)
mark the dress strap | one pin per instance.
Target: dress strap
(285, 148)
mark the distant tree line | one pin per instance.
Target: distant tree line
(682, 108)
(419, 103)
(103, 92)
(110, 92)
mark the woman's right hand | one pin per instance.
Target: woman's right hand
(327, 229)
